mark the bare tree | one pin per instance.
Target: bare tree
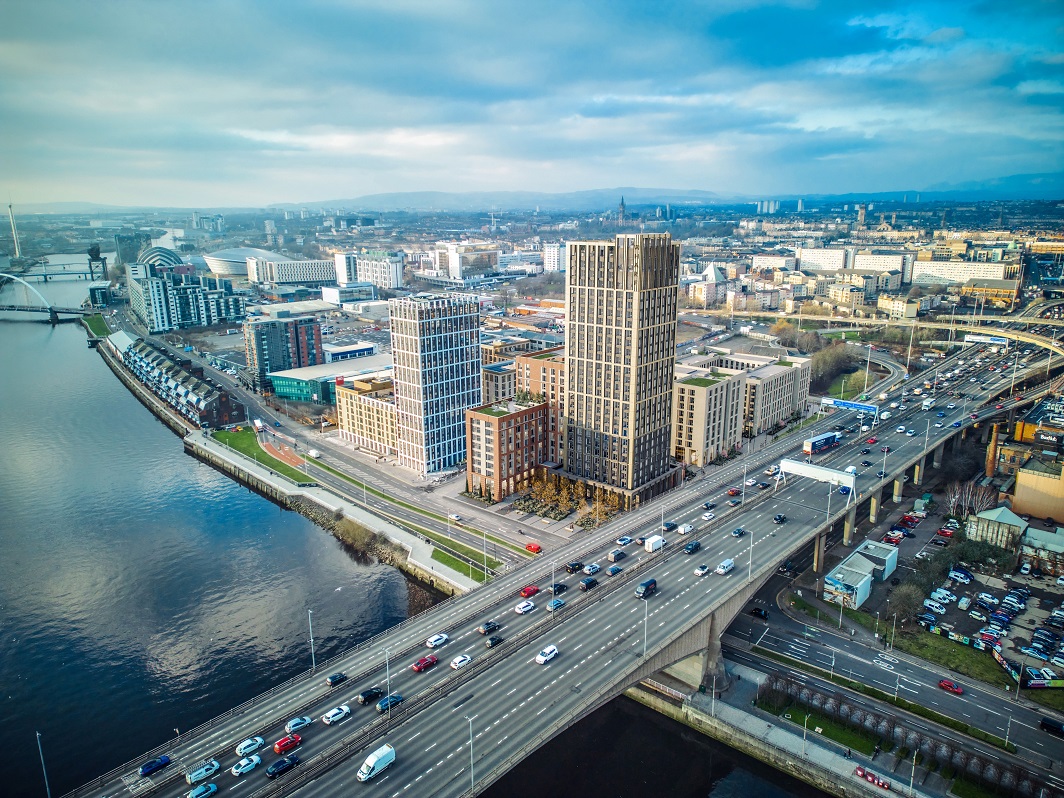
(952, 497)
(984, 498)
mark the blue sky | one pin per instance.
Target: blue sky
(235, 102)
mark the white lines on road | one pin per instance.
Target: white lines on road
(418, 734)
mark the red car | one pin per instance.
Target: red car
(873, 439)
(535, 548)
(287, 743)
(885, 450)
(912, 519)
(951, 687)
(423, 664)
(529, 591)
(973, 416)
(998, 407)
(734, 491)
(946, 533)
(892, 541)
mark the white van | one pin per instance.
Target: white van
(726, 567)
(376, 762)
(957, 576)
(934, 606)
(851, 469)
(683, 529)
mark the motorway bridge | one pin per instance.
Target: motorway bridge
(458, 731)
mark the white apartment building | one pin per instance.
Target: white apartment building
(707, 414)
(436, 349)
(822, 258)
(554, 257)
(382, 269)
(775, 388)
(927, 272)
(774, 262)
(302, 272)
(346, 268)
(462, 261)
(882, 261)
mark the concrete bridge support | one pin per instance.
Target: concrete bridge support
(819, 551)
(898, 486)
(849, 525)
(874, 504)
(918, 470)
(937, 459)
(984, 436)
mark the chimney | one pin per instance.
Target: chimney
(991, 452)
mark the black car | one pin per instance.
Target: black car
(669, 526)
(588, 583)
(759, 613)
(336, 679)
(487, 627)
(692, 547)
(762, 485)
(866, 451)
(709, 505)
(369, 696)
(557, 588)
(787, 567)
(493, 641)
(881, 474)
(282, 766)
(573, 567)
(779, 518)
(866, 463)
(388, 702)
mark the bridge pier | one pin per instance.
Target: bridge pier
(874, 502)
(898, 486)
(918, 470)
(819, 551)
(849, 524)
(712, 664)
(936, 461)
(984, 436)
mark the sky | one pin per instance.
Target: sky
(253, 102)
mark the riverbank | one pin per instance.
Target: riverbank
(358, 530)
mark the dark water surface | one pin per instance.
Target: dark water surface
(142, 592)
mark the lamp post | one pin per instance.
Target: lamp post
(1007, 730)
(310, 623)
(388, 680)
(877, 624)
(912, 778)
(893, 629)
(897, 686)
(646, 620)
(1019, 677)
(472, 781)
(47, 789)
(743, 498)
(1015, 363)
(805, 732)
(868, 365)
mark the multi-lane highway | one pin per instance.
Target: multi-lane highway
(502, 697)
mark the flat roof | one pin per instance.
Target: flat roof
(1049, 412)
(340, 368)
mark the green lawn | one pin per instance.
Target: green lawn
(843, 735)
(460, 566)
(966, 789)
(246, 442)
(97, 326)
(962, 659)
(855, 384)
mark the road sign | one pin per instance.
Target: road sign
(840, 403)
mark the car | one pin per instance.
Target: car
(751, 482)
(295, 724)
(900, 429)
(951, 687)
(702, 570)
(557, 588)
(437, 640)
(866, 464)
(939, 542)
(885, 450)
(573, 567)
(955, 424)
(668, 526)
(336, 714)
(202, 791)
(758, 612)
(624, 540)
(389, 701)
(494, 640)
(555, 604)
(738, 532)
(613, 570)
(881, 474)
(546, 655)
(709, 505)
(535, 548)
(938, 424)
(866, 450)
(455, 517)
(973, 416)
(528, 591)
(461, 661)
(154, 765)
(999, 407)
(872, 441)
(779, 518)
(336, 679)
(891, 541)
(734, 502)
(946, 533)
(424, 663)
(910, 432)
(525, 607)
(927, 617)
(734, 491)
(246, 765)
(844, 490)
(951, 405)
(287, 743)
(708, 516)
(369, 696)
(249, 746)
(592, 568)
(488, 627)
(1033, 651)
(282, 766)
(1025, 568)
(587, 583)
(692, 547)
(989, 599)
(923, 555)
(940, 414)
(762, 485)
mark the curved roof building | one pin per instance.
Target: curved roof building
(235, 261)
(159, 256)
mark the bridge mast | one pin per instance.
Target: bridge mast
(14, 231)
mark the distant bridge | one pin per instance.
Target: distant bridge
(45, 306)
(65, 274)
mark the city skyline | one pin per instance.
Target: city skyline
(249, 104)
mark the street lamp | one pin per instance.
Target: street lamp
(388, 680)
(646, 619)
(805, 732)
(1007, 730)
(472, 781)
(750, 572)
(47, 789)
(893, 629)
(310, 623)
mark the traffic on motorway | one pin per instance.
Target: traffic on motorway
(592, 611)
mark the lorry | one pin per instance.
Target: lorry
(647, 588)
(653, 543)
(376, 762)
(927, 404)
(820, 443)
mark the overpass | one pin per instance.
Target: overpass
(458, 731)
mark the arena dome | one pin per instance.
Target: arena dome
(234, 262)
(159, 256)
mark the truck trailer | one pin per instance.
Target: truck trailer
(820, 443)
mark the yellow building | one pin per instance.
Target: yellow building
(366, 415)
(707, 414)
(1039, 490)
(996, 292)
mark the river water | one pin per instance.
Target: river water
(143, 592)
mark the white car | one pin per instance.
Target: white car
(893, 405)
(437, 640)
(206, 770)
(910, 432)
(455, 517)
(708, 516)
(751, 482)
(246, 765)
(951, 405)
(592, 568)
(977, 616)
(900, 429)
(250, 746)
(295, 724)
(938, 424)
(702, 570)
(546, 655)
(525, 607)
(623, 541)
(460, 661)
(336, 714)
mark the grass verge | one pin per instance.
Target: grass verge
(97, 326)
(455, 564)
(843, 735)
(965, 789)
(854, 384)
(245, 442)
(887, 698)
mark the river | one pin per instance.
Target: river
(142, 592)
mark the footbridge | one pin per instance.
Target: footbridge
(45, 306)
(460, 728)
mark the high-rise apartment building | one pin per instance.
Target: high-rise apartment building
(543, 374)
(436, 349)
(382, 269)
(278, 345)
(620, 355)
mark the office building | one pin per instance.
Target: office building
(436, 350)
(284, 270)
(507, 441)
(382, 269)
(280, 344)
(621, 309)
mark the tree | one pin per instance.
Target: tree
(915, 292)
(786, 332)
(907, 601)
(983, 498)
